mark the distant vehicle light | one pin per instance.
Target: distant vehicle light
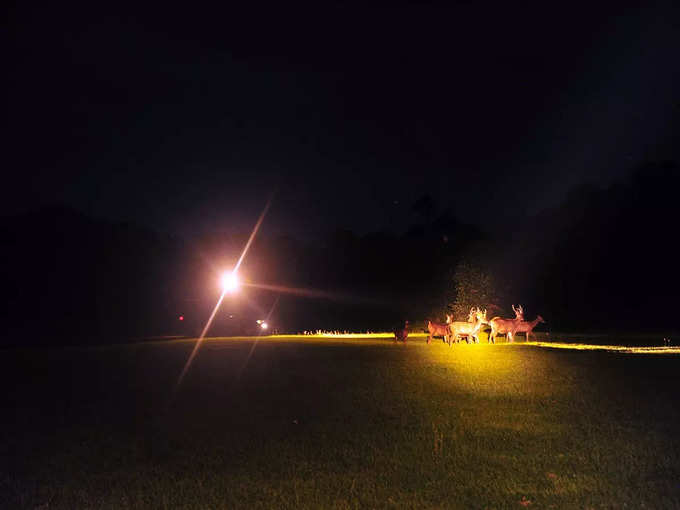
(264, 325)
(230, 282)
(181, 317)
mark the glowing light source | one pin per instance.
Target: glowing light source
(230, 282)
(264, 325)
(181, 317)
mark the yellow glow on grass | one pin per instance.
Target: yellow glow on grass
(612, 348)
(483, 369)
(474, 353)
(476, 356)
(354, 335)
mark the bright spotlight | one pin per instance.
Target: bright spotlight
(264, 325)
(230, 282)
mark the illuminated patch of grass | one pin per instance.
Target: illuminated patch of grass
(306, 422)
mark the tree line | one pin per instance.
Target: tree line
(604, 259)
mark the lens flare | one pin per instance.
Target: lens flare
(198, 343)
(229, 281)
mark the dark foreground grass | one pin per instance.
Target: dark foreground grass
(320, 423)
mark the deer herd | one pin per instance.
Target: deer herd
(453, 331)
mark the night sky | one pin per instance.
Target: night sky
(187, 120)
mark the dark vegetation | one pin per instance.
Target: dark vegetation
(604, 260)
(607, 258)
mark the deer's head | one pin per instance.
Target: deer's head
(472, 313)
(519, 312)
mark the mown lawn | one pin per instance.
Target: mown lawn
(304, 422)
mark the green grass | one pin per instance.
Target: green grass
(308, 422)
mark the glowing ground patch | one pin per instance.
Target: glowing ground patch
(610, 348)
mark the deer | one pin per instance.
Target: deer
(437, 329)
(506, 326)
(469, 329)
(401, 334)
(449, 321)
(528, 327)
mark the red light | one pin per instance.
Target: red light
(181, 317)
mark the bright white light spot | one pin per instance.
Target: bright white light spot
(229, 282)
(264, 325)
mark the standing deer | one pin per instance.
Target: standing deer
(506, 326)
(470, 318)
(437, 329)
(469, 329)
(528, 327)
(401, 334)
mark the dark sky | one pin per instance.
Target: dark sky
(186, 120)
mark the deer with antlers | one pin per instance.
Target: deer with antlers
(469, 329)
(527, 327)
(506, 326)
(438, 329)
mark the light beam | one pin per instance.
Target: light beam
(198, 342)
(231, 282)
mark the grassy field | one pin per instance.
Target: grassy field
(308, 422)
